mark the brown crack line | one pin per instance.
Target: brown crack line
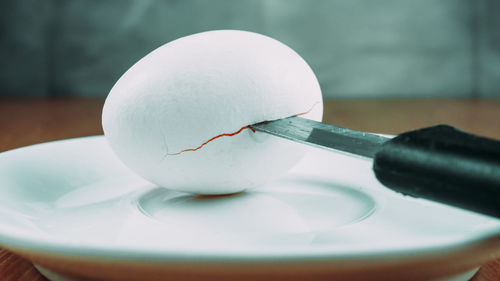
(216, 137)
(230, 134)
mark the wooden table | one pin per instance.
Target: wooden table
(29, 121)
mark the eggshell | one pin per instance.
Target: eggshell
(161, 116)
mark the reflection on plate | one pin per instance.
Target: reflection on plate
(75, 210)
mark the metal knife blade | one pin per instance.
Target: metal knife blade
(323, 135)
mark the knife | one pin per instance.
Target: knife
(439, 163)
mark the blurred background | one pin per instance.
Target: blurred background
(357, 48)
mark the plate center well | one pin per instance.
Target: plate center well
(285, 207)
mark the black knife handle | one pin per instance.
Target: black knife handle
(443, 164)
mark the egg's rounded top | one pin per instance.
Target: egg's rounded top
(198, 87)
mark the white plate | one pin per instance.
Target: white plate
(73, 208)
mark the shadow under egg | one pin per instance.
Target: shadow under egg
(202, 197)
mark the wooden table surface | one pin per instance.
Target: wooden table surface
(29, 121)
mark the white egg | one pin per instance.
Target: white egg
(179, 116)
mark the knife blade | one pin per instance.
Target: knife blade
(323, 135)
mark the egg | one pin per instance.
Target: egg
(180, 116)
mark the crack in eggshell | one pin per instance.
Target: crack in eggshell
(229, 134)
(216, 137)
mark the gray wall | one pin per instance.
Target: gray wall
(357, 48)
